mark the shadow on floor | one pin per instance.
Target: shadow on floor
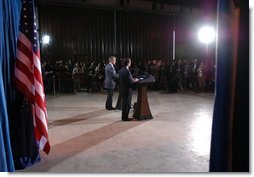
(74, 146)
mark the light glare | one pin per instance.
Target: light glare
(206, 34)
(45, 39)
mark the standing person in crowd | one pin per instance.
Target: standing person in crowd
(49, 74)
(90, 77)
(125, 83)
(194, 74)
(75, 77)
(109, 82)
(201, 80)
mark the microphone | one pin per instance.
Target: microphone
(143, 75)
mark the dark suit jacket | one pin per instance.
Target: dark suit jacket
(110, 77)
(125, 81)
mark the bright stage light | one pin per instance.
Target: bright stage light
(206, 34)
(45, 39)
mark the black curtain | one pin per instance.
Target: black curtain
(88, 34)
(144, 36)
(79, 34)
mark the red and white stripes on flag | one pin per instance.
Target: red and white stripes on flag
(28, 76)
(28, 79)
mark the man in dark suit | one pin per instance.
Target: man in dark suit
(109, 82)
(125, 83)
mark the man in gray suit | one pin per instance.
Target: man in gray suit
(109, 82)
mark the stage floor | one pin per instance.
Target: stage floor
(87, 138)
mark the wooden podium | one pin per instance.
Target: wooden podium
(141, 108)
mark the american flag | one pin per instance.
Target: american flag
(28, 76)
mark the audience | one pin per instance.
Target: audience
(171, 75)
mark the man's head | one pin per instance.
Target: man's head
(112, 60)
(44, 63)
(126, 62)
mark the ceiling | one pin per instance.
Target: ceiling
(187, 7)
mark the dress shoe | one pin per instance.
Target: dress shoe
(111, 108)
(131, 119)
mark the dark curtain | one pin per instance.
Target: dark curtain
(78, 34)
(87, 34)
(143, 36)
(241, 126)
(230, 128)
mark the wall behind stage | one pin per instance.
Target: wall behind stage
(76, 33)
(143, 36)
(86, 34)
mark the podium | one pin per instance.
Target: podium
(141, 107)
